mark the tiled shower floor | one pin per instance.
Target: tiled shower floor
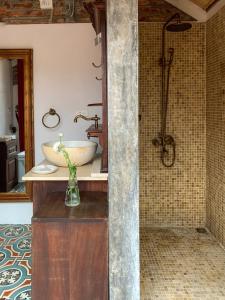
(181, 264)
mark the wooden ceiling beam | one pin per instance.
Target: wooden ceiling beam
(195, 11)
(215, 8)
(204, 4)
(190, 8)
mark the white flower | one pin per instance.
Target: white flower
(61, 135)
(56, 147)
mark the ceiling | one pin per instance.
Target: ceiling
(158, 11)
(29, 12)
(205, 4)
(71, 11)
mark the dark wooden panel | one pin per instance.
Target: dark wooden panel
(97, 12)
(11, 169)
(42, 188)
(70, 261)
(8, 165)
(50, 262)
(70, 258)
(89, 272)
(104, 93)
(94, 186)
(11, 173)
(94, 206)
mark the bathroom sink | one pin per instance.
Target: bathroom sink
(80, 152)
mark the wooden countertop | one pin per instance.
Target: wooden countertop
(88, 172)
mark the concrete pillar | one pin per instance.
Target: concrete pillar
(122, 38)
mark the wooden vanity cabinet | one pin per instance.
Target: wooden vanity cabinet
(70, 248)
(8, 165)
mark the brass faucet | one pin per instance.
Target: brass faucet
(95, 118)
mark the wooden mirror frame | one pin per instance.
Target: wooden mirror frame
(27, 56)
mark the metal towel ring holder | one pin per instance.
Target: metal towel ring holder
(51, 112)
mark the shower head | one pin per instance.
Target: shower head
(178, 27)
(174, 24)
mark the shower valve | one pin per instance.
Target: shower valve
(157, 141)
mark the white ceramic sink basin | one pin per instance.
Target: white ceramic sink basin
(80, 152)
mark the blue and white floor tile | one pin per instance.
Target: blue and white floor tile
(15, 262)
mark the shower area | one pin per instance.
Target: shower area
(182, 158)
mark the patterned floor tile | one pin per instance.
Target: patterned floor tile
(15, 262)
(181, 264)
(176, 264)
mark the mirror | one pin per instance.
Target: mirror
(16, 123)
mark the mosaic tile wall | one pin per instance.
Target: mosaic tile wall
(176, 196)
(216, 125)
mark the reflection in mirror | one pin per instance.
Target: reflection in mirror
(16, 123)
(12, 150)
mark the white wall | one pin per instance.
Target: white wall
(5, 96)
(64, 79)
(15, 213)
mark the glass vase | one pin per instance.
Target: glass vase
(72, 193)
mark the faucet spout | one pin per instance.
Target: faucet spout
(80, 116)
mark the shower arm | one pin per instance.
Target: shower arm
(175, 16)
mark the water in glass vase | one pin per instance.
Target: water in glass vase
(72, 193)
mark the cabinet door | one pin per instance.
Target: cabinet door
(69, 261)
(11, 173)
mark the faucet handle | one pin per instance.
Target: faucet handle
(96, 119)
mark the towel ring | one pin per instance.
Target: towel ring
(51, 112)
